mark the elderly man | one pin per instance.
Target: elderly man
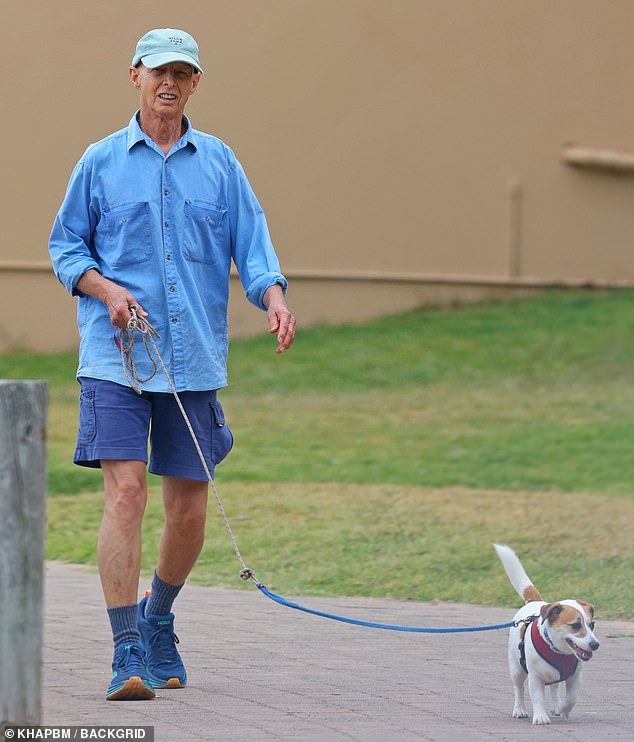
(152, 218)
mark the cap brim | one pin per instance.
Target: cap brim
(151, 61)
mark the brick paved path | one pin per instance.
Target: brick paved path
(258, 671)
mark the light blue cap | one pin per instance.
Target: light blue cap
(165, 45)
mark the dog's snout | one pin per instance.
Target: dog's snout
(594, 646)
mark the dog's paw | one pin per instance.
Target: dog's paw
(519, 712)
(540, 718)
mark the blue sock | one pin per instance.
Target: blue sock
(161, 598)
(123, 620)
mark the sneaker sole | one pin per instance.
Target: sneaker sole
(169, 684)
(134, 689)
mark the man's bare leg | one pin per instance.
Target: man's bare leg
(185, 503)
(119, 560)
(119, 544)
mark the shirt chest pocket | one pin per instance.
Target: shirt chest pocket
(206, 238)
(129, 234)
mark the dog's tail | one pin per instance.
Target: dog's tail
(516, 574)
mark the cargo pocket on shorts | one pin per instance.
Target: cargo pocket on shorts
(87, 420)
(221, 436)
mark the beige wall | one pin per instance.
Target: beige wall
(403, 150)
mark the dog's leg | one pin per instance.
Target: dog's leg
(537, 689)
(518, 678)
(573, 684)
(519, 707)
(555, 700)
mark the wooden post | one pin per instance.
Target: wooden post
(23, 406)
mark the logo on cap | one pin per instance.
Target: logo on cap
(176, 40)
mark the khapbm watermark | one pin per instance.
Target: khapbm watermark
(27, 732)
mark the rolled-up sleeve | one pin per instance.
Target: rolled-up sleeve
(252, 250)
(69, 244)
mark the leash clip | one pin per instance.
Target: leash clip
(248, 574)
(526, 621)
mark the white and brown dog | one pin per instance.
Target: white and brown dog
(546, 645)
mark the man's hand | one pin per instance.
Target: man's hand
(117, 298)
(281, 321)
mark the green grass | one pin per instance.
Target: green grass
(383, 459)
(529, 395)
(389, 540)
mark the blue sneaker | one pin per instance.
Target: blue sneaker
(130, 681)
(164, 665)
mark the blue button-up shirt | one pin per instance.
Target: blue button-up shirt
(167, 228)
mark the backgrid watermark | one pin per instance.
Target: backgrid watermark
(16, 732)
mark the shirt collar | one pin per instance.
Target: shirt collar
(136, 135)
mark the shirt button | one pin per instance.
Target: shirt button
(166, 192)
(169, 257)
(174, 320)
(172, 288)
(167, 224)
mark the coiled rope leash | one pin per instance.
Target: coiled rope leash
(126, 344)
(148, 333)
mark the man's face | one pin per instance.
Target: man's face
(165, 90)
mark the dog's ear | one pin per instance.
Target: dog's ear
(550, 611)
(588, 607)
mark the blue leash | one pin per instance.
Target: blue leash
(371, 624)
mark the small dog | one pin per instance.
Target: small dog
(548, 644)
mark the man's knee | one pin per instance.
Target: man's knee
(125, 490)
(185, 503)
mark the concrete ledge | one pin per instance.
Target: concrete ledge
(37, 314)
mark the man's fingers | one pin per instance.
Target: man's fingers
(120, 312)
(286, 334)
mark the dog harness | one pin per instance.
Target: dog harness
(566, 664)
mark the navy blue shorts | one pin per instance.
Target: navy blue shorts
(115, 423)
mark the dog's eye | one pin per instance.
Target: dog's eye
(591, 625)
(576, 626)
